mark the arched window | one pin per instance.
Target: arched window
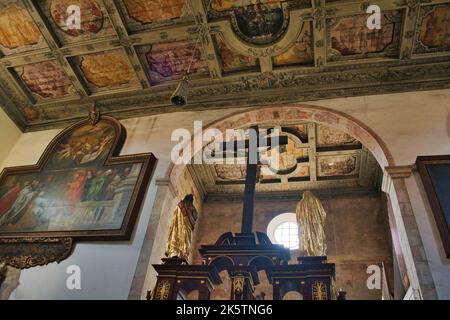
(283, 229)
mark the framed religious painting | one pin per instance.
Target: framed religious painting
(435, 174)
(80, 188)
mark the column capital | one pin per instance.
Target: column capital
(166, 183)
(400, 172)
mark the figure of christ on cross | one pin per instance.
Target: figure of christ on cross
(256, 143)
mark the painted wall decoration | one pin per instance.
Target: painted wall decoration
(80, 187)
(301, 51)
(106, 69)
(147, 11)
(232, 61)
(435, 28)
(338, 165)
(328, 136)
(45, 80)
(169, 61)
(18, 32)
(91, 16)
(350, 35)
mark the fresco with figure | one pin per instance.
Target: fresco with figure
(79, 187)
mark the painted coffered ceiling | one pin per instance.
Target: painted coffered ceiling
(128, 55)
(316, 157)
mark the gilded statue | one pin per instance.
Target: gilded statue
(311, 222)
(180, 233)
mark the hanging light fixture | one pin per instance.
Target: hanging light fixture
(180, 95)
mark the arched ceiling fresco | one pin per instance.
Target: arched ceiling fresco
(128, 55)
(316, 156)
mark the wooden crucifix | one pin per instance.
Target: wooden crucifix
(253, 146)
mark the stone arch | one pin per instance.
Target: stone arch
(287, 114)
(393, 181)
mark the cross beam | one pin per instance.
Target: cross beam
(253, 144)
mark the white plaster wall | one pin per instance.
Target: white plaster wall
(107, 269)
(9, 134)
(410, 124)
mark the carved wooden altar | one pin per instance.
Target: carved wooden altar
(176, 279)
(243, 255)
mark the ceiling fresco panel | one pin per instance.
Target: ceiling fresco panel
(338, 165)
(18, 32)
(45, 80)
(299, 130)
(350, 37)
(231, 60)
(226, 172)
(169, 61)
(434, 29)
(107, 70)
(94, 20)
(140, 15)
(301, 52)
(329, 137)
(256, 22)
(157, 37)
(147, 11)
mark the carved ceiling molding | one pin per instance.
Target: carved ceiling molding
(412, 67)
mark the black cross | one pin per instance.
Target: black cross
(253, 144)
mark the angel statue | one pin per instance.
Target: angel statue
(311, 223)
(180, 233)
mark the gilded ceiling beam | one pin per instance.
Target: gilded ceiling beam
(206, 40)
(319, 31)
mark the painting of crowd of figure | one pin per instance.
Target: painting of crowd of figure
(76, 189)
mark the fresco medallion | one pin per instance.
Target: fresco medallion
(91, 16)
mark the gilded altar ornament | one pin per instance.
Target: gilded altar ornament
(180, 233)
(319, 291)
(311, 222)
(238, 285)
(162, 291)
